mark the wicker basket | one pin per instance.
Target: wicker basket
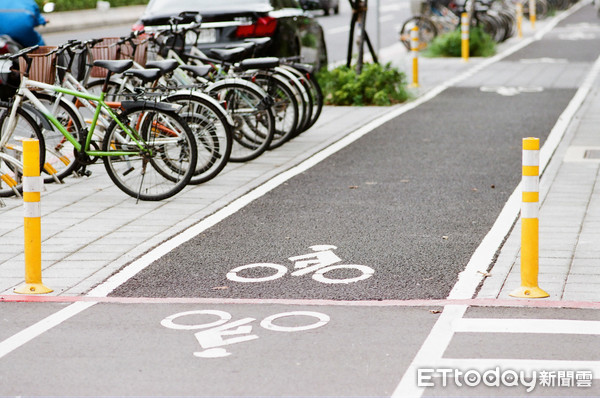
(104, 50)
(141, 52)
(43, 66)
(108, 50)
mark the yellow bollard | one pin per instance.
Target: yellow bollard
(520, 20)
(532, 13)
(464, 35)
(414, 52)
(530, 222)
(32, 188)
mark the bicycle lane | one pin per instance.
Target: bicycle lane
(104, 336)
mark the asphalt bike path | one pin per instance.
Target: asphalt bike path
(299, 292)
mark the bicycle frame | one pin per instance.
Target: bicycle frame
(101, 107)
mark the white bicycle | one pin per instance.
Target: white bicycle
(322, 261)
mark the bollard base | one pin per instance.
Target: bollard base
(414, 85)
(529, 292)
(33, 288)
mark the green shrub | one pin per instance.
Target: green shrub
(377, 85)
(449, 44)
(69, 5)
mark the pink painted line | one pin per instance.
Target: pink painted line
(372, 303)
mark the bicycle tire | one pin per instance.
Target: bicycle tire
(303, 98)
(60, 153)
(213, 134)
(286, 107)
(304, 80)
(164, 166)
(26, 127)
(249, 108)
(11, 171)
(317, 94)
(427, 31)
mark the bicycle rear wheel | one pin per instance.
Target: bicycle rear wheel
(164, 164)
(213, 134)
(60, 153)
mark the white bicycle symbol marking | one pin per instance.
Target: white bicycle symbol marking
(321, 262)
(214, 337)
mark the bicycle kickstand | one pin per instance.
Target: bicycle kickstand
(83, 171)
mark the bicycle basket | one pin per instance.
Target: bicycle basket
(78, 66)
(43, 66)
(141, 52)
(9, 79)
(107, 49)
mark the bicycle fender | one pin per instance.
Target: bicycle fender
(45, 123)
(241, 82)
(161, 106)
(208, 98)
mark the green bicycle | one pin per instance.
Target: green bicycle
(149, 151)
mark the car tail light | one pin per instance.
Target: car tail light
(264, 26)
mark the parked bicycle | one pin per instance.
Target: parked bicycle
(149, 151)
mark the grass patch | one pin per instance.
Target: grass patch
(378, 84)
(449, 44)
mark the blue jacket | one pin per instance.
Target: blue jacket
(18, 18)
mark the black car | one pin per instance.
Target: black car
(325, 5)
(225, 23)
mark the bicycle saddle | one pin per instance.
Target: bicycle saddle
(166, 65)
(259, 63)
(115, 66)
(247, 46)
(229, 55)
(261, 42)
(145, 75)
(197, 70)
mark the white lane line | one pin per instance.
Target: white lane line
(436, 343)
(506, 325)
(33, 331)
(439, 338)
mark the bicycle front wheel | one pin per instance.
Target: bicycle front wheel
(254, 124)
(25, 126)
(427, 31)
(153, 157)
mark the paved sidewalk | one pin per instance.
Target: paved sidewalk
(91, 229)
(569, 251)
